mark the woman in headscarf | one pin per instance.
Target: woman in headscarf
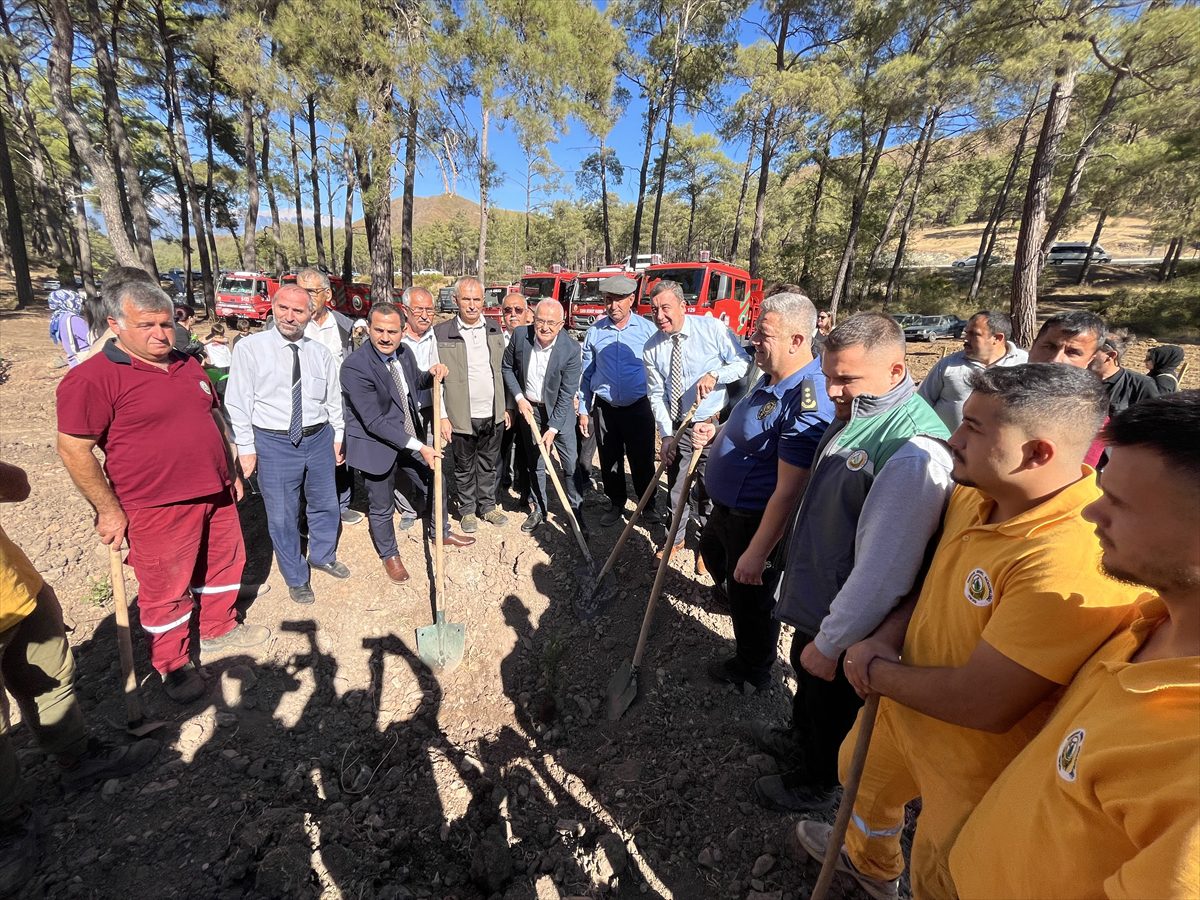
(69, 326)
(1163, 363)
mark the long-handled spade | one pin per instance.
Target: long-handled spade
(623, 686)
(439, 645)
(135, 723)
(597, 591)
(562, 495)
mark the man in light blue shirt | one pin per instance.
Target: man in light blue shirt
(612, 392)
(690, 358)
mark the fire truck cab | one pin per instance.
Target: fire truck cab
(558, 284)
(711, 287)
(588, 305)
(246, 295)
(493, 300)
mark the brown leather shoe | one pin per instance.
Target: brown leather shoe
(394, 567)
(701, 568)
(678, 547)
(454, 539)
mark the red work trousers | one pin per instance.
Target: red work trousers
(189, 548)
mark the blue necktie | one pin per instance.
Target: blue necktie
(296, 425)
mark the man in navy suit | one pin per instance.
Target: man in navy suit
(385, 434)
(541, 370)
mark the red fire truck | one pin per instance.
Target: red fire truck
(246, 295)
(711, 287)
(493, 300)
(558, 284)
(353, 300)
(588, 305)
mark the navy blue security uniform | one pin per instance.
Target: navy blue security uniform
(772, 422)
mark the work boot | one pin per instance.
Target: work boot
(469, 524)
(532, 521)
(614, 515)
(782, 743)
(811, 838)
(792, 792)
(301, 593)
(239, 636)
(184, 684)
(494, 517)
(727, 671)
(102, 761)
(20, 852)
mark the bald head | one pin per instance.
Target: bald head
(548, 321)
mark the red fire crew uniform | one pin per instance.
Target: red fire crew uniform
(167, 463)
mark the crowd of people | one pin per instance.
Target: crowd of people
(1032, 629)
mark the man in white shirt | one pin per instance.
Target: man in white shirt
(285, 403)
(513, 469)
(420, 339)
(987, 342)
(471, 347)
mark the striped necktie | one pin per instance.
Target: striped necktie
(676, 406)
(402, 388)
(296, 425)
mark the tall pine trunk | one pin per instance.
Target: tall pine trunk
(484, 178)
(185, 231)
(814, 215)
(250, 225)
(276, 228)
(316, 185)
(604, 204)
(1031, 256)
(660, 176)
(410, 181)
(868, 163)
(297, 192)
(1087, 260)
(741, 207)
(104, 176)
(760, 194)
(910, 213)
(348, 216)
(79, 222)
(209, 225)
(652, 111)
(16, 231)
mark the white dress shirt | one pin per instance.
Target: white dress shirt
(481, 384)
(424, 350)
(327, 335)
(259, 391)
(535, 372)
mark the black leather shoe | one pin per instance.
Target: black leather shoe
(532, 521)
(302, 593)
(334, 568)
(789, 792)
(726, 671)
(183, 685)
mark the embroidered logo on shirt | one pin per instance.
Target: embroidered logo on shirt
(204, 387)
(767, 409)
(1068, 754)
(978, 588)
(857, 460)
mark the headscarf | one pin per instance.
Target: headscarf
(1165, 360)
(63, 303)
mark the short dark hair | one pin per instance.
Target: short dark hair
(1078, 322)
(1047, 394)
(783, 287)
(868, 330)
(1168, 425)
(997, 322)
(384, 309)
(1118, 341)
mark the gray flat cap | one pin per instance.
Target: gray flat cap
(621, 285)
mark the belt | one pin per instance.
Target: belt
(738, 512)
(306, 431)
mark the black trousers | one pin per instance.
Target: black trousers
(413, 480)
(513, 466)
(475, 457)
(586, 452)
(822, 715)
(725, 538)
(621, 432)
(564, 443)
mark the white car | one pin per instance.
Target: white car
(968, 262)
(51, 284)
(1075, 252)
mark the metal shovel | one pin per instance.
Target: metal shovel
(598, 590)
(562, 495)
(623, 686)
(441, 644)
(135, 722)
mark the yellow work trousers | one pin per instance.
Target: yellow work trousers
(896, 772)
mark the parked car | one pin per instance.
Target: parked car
(1068, 252)
(904, 319)
(51, 284)
(930, 328)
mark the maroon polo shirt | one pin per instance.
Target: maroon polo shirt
(155, 427)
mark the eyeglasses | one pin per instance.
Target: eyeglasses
(547, 323)
(512, 310)
(421, 310)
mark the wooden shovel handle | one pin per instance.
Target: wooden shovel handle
(133, 704)
(562, 494)
(439, 572)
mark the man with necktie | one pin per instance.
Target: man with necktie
(690, 359)
(385, 436)
(284, 400)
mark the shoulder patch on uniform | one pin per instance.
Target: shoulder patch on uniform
(766, 409)
(204, 387)
(978, 588)
(857, 460)
(808, 396)
(1068, 754)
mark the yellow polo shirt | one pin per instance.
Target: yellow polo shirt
(1032, 588)
(1105, 801)
(19, 584)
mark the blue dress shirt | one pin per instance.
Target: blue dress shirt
(612, 362)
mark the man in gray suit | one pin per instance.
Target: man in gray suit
(541, 367)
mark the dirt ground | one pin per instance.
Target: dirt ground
(332, 763)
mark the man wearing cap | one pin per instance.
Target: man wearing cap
(690, 360)
(613, 400)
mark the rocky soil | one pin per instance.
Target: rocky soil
(333, 763)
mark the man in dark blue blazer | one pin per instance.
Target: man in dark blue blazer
(541, 369)
(385, 434)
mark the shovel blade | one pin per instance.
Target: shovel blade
(594, 596)
(440, 646)
(622, 690)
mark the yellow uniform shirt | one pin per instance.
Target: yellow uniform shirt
(19, 584)
(1105, 801)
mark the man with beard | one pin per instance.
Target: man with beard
(986, 342)
(1013, 602)
(1125, 387)
(1105, 798)
(285, 402)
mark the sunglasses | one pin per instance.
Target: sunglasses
(512, 310)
